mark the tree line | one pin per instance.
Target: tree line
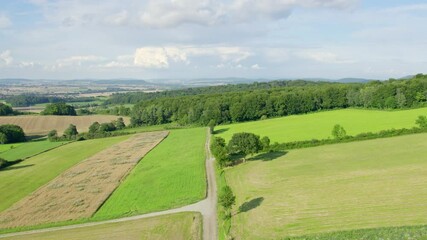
(26, 100)
(135, 97)
(251, 105)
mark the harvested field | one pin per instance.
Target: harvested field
(78, 192)
(41, 125)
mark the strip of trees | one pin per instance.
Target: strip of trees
(250, 105)
(96, 130)
(61, 109)
(238, 148)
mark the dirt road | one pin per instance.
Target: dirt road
(206, 207)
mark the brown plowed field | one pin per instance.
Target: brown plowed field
(41, 125)
(81, 190)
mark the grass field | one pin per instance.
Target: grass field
(390, 233)
(28, 149)
(23, 178)
(181, 226)
(171, 175)
(319, 125)
(41, 125)
(369, 184)
(7, 147)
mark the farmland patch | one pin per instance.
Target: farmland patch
(81, 190)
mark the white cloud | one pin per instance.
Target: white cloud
(77, 61)
(160, 57)
(172, 13)
(256, 66)
(6, 58)
(407, 8)
(118, 19)
(4, 21)
(319, 56)
(151, 57)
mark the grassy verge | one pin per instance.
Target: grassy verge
(29, 149)
(176, 226)
(370, 184)
(23, 178)
(224, 225)
(412, 232)
(7, 147)
(319, 125)
(171, 175)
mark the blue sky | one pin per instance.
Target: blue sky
(205, 38)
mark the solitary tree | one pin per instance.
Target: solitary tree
(422, 122)
(338, 132)
(211, 126)
(227, 199)
(52, 135)
(265, 142)
(119, 123)
(244, 143)
(71, 131)
(94, 127)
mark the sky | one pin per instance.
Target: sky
(185, 39)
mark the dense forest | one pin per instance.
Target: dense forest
(249, 105)
(135, 97)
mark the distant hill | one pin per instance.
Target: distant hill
(353, 80)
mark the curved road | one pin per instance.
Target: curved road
(206, 207)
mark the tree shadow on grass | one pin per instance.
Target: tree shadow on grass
(249, 205)
(221, 130)
(16, 167)
(268, 156)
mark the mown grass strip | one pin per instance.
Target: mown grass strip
(171, 175)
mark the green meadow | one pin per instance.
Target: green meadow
(171, 175)
(7, 147)
(342, 187)
(319, 125)
(21, 179)
(28, 149)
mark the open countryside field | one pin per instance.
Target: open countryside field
(28, 149)
(7, 147)
(41, 125)
(368, 184)
(22, 179)
(171, 175)
(78, 192)
(319, 125)
(181, 226)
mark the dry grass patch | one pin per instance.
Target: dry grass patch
(41, 125)
(78, 192)
(176, 226)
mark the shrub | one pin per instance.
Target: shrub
(11, 134)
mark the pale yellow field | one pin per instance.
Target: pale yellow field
(41, 125)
